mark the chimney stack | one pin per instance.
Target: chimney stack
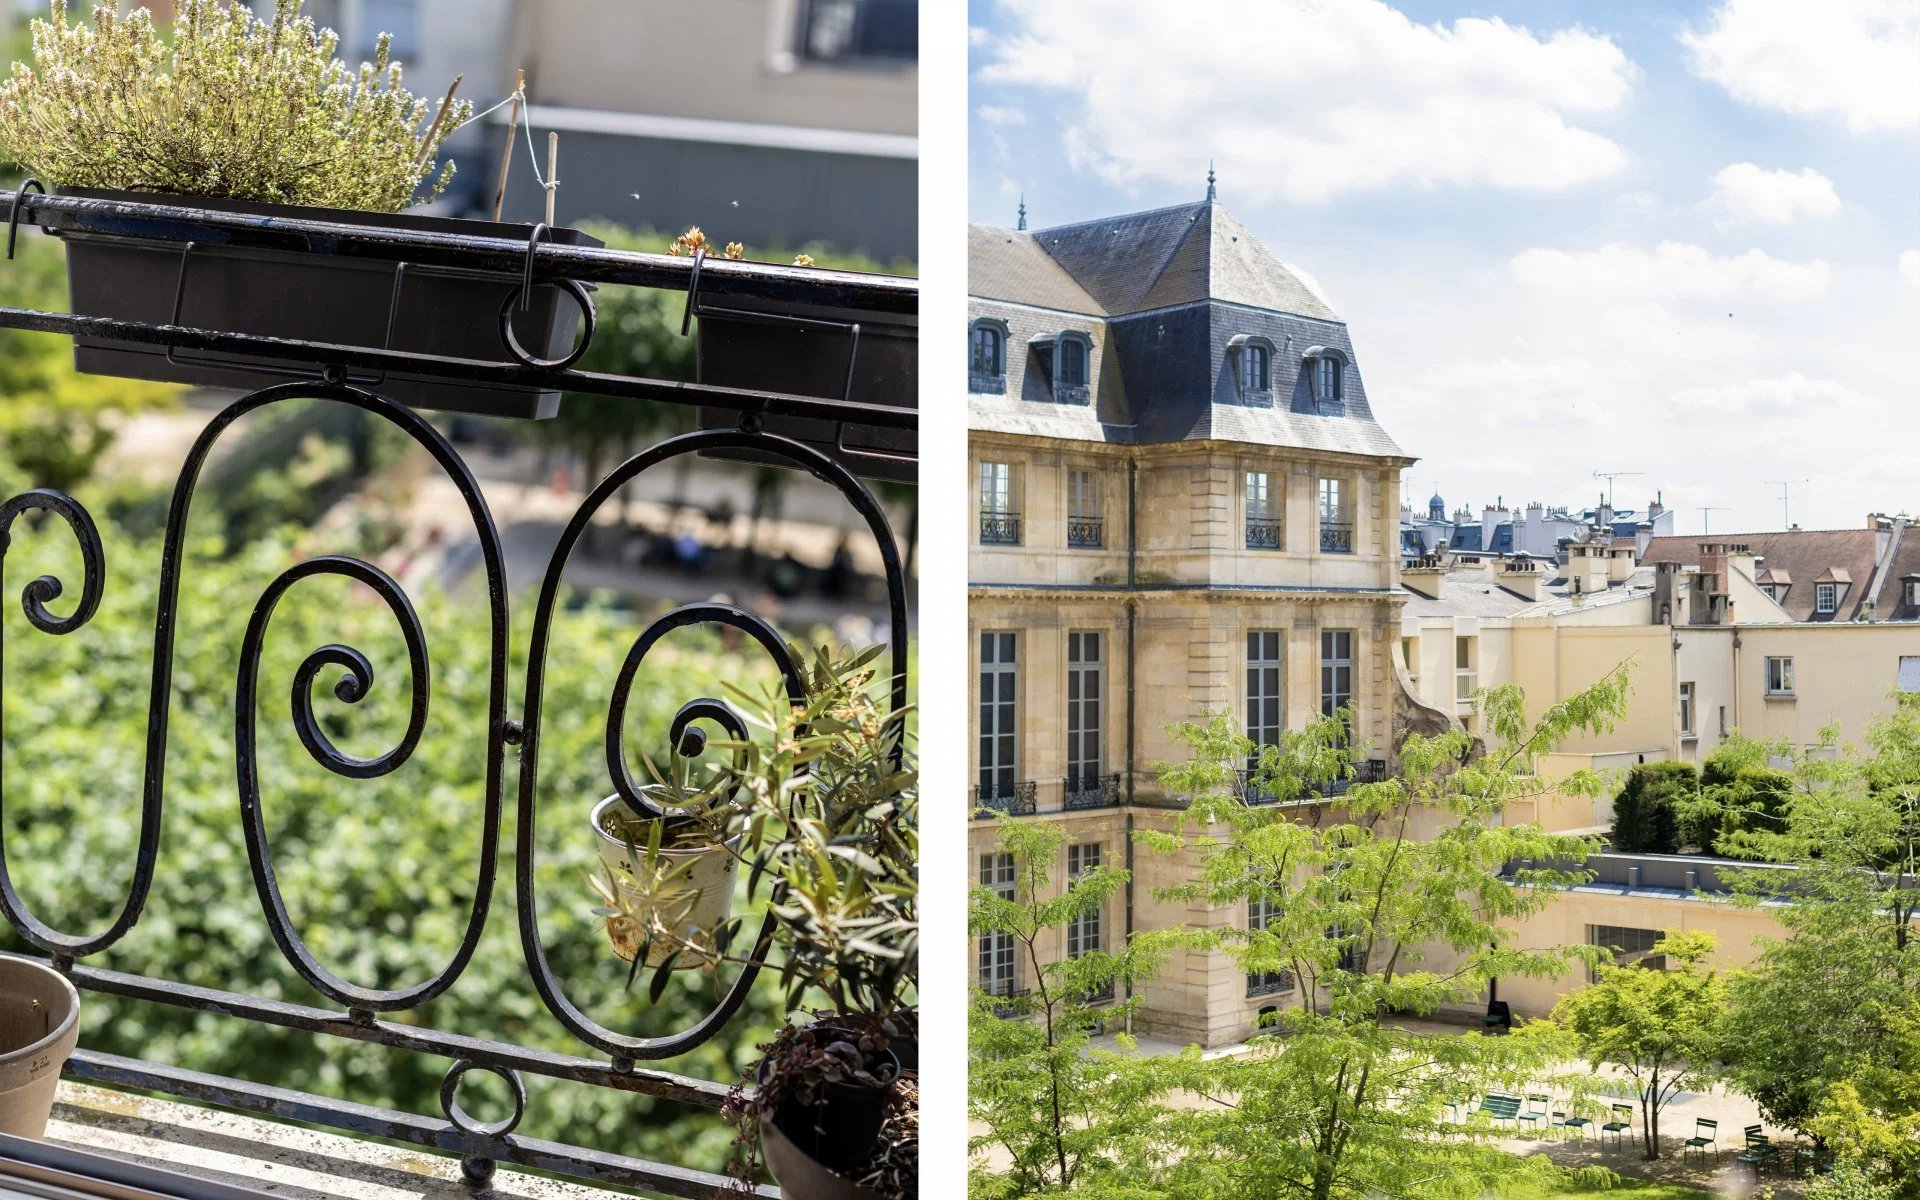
(1521, 575)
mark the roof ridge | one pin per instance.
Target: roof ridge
(1145, 212)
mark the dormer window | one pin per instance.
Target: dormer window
(1826, 598)
(987, 356)
(1326, 371)
(1326, 380)
(1066, 360)
(1913, 591)
(1250, 358)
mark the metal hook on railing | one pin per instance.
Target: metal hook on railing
(526, 282)
(13, 212)
(693, 292)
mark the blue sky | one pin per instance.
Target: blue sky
(1568, 237)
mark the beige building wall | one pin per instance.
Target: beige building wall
(744, 68)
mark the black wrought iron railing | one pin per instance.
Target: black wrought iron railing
(1101, 994)
(1009, 1001)
(1263, 533)
(1271, 983)
(343, 1008)
(1085, 533)
(1092, 791)
(999, 528)
(1254, 791)
(1336, 537)
(1012, 800)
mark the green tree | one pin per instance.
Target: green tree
(1646, 813)
(1660, 1026)
(1873, 1118)
(1059, 1117)
(1813, 1012)
(1401, 899)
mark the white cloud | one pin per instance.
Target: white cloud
(978, 36)
(1854, 59)
(1743, 192)
(999, 114)
(1771, 399)
(1671, 270)
(1910, 266)
(1307, 103)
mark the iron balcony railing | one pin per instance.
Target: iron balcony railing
(999, 528)
(1102, 994)
(1372, 770)
(1263, 533)
(505, 763)
(1336, 537)
(1009, 1002)
(1092, 791)
(1085, 533)
(1272, 983)
(1012, 800)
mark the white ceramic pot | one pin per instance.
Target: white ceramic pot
(39, 1024)
(696, 896)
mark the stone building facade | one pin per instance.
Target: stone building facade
(1184, 503)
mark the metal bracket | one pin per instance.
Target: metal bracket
(13, 213)
(695, 308)
(321, 373)
(523, 292)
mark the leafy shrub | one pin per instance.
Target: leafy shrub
(227, 106)
(1646, 813)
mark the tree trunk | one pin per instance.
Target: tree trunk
(1650, 1117)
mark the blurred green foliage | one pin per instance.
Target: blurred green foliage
(55, 423)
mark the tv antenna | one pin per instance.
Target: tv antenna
(1705, 520)
(1610, 476)
(1786, 487)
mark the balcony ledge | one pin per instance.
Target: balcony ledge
(280, 1160)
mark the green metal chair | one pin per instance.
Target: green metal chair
(1536, 1110)
(1706, 1136)
(1574, 1121)
(1622, 1122)
(1499, 1107)
(1759, 1152)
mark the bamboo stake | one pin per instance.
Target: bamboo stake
(513, 130)
(446, 106)
(553, 172)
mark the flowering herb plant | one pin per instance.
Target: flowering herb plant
(225, 105)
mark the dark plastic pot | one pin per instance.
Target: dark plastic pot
(314, 297)
(808, 350)
(802, 1177)
(807, 1147)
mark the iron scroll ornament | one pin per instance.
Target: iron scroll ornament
(625, 1048)
(66, 947)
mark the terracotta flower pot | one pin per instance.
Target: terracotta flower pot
(39, 1024)
(697, 894)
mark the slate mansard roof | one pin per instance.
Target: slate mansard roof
(1167, 298)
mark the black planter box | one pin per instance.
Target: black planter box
(314, 298)
(804, 350)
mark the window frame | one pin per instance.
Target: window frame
(1327, 378)
(1264, 526)
(1065, 392)
(999, 499)
(1266, 684)
(1085, 934)
(1260, 911)
(1779, 675)
(1086, 708)
(1086, 511)
(805, 12)
(987, 382)
(1826, 598)
(1244, 352)
(1333, 694)
(997, 949)
(1688, 704)
(998, 712)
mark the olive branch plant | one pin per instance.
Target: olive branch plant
(225, 105)
(825, 805)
